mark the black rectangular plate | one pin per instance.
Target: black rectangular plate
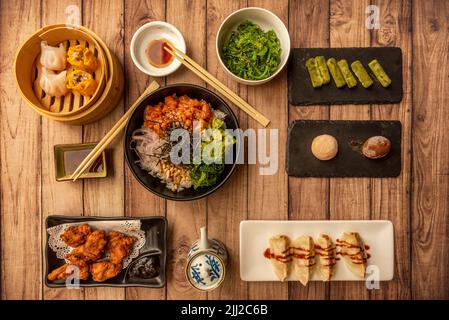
(301, 92)
(349, 161)
(156, 243)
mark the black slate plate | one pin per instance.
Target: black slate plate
(349, 162)
(156, 243)
(301, 92)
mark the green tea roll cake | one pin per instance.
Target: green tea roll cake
(336, 73)
(324, 71)
(347, 74)
(380, 73)
(361, 74)
(314, 73)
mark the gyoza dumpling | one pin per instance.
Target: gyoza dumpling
(279, 254)
(353, 252)
(303, 253)
(326, 251)
(54, 84)
(53, 58)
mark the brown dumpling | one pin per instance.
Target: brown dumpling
(303, 252)
(376, 147)
(279, 248)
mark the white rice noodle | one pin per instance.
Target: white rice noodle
(148, 146)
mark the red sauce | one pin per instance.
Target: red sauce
(156, 54)
(288, 254)
(345, 244)
(303, 256)
(330, 248)
(355, 258)
(328, 253)
(282, 258)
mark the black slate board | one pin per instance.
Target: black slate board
(156, 243)
(301, 92)
(349, 161)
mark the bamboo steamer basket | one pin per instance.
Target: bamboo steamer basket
(110, 95)
(72, 103)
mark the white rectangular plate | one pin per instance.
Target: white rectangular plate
(254, 235)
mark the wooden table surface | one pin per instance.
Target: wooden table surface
(417, 202)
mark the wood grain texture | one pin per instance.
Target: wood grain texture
(417, 202)
(391, 196)
(349, 197)
(139, 201)
(106, 196)
(185, 218)
(228, 206)
(309, 197)
(430, 187)
(61, 197)
(268, 194)
(20, 144)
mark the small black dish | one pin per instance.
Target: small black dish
(135, 122)
(349, 161)
(156, 244)
(301, 92)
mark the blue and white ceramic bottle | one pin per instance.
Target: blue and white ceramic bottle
(206, 266)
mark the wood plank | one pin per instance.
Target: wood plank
(430, 163)
(106, 196)
(228, 206)
(349, 197)
(268, 194)
(139, 201)
(391, 196)
(58, 197)
(309, 197)
(185, 218)
(20, 145)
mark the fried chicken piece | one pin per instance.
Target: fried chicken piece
(69, 269)
(119, 246)
(75, 236)
(90, 251)
(104, 270)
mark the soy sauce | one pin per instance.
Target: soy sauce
(156, 54)
(73, 158)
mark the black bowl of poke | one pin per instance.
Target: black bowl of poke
(179, 142)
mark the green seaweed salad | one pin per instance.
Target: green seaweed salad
(251, 53)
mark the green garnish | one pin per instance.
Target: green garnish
(251, 53)
(205, 175)
(208, 174)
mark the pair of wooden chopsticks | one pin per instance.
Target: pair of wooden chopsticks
(107, 139)
(214, 82)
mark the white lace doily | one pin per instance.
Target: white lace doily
(128, 227)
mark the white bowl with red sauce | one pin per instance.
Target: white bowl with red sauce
(147, 48)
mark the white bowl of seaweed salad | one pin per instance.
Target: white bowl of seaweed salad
(253, 45)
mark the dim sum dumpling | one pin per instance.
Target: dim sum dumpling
(53, 58)
(54, 84)
(327, 259)
(352, 249)
(279, 252)
(303, 252)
